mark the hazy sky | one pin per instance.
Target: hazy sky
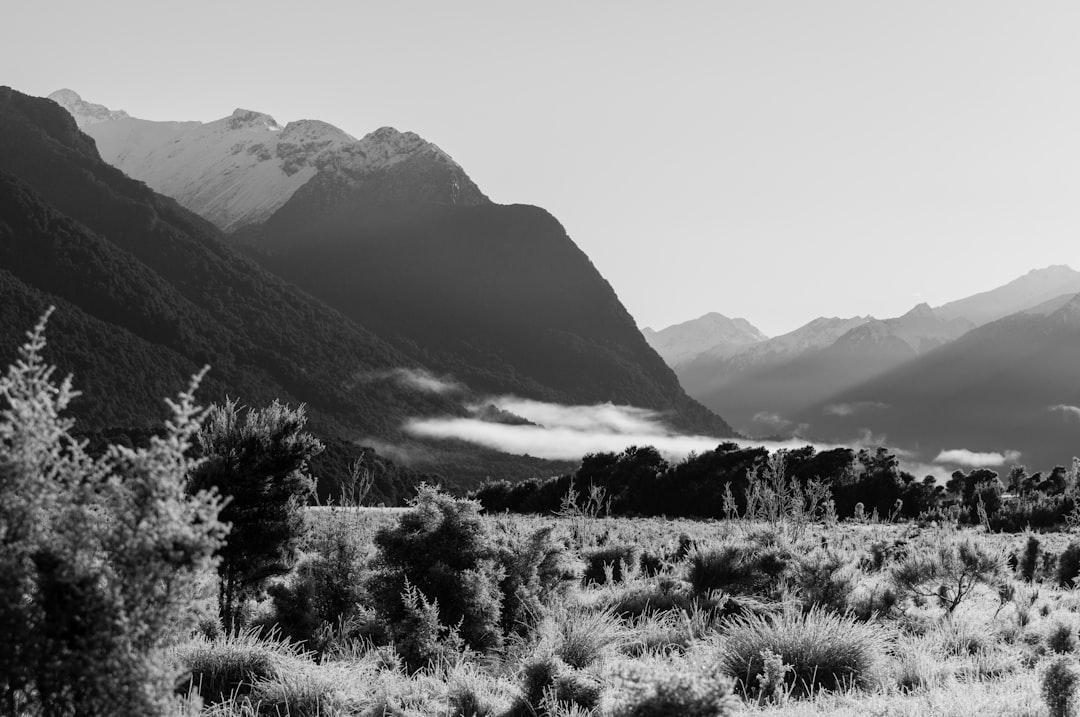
(771, 160)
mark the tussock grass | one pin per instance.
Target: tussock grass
(824, 650)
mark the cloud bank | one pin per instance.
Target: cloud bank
(847, 409)
(1069, 412)
(973, 459)
(569, 432)
(416, 379)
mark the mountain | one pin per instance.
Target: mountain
(763, 397)
(147, 293)
(1032, 289)
(239, 170)
(714, 368)
(1009, 385)
(85, 113)
(393, 234)
(712, 332)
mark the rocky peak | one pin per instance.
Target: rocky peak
(85, 113)
(249, 119)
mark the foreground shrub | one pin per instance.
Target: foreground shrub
(326, 589)
(258, 459)
(824, 650)
(101, 558)
(620, 561)
(230, 666)
(1059, 686)
(738, 568)
(949, 571)
(441, 551)
(580, 637)
(536, 570)
(548, 684)
(1069, 565)
(688, 692)
(825, 579)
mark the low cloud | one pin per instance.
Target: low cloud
(1069, 412)
(564, 432)
(847, 409)
(416, 379)
(973, 459)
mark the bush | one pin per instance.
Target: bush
(1069, 565)
(326, 588)
(1061, 636)
(621, 561)
(824, 650)
(1059, 686)
(536, 570)
(102, 556)
(441, 550)
(688, 693)
(737, 568)
(231, 666)
(825, 579)
(548, 683)
(579, 637)
(948, 572)
(258, 459)
(1029, 560)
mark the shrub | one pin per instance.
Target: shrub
(737, 568)
(230, 666)
(1059, 686)
(102, 556)
(824, 578)
(621, 561)
(548, 683)
(419, 638)
(441, 548)
(824, 650)
(326, 588)
(1029, 559)
(691, 692)
(258, 459)
(949, 572)
(1069, 564)
(1061, 636)
(536, 570)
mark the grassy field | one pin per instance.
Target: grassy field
(859, 619)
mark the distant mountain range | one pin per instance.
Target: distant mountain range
(862, 378)
(711, 332)
(386, 264)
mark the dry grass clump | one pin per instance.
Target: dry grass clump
(823, 649)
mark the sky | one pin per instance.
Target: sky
(776, 161)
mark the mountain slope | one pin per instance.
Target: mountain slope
(769, 395)
(1025, 292)
(1010, 385)
(147, 293)
(391, 232)
(713, 369)
(712, 332)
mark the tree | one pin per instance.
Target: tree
(100, 556)
(257, 460)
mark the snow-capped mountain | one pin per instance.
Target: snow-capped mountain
(712, 332)
(713, 368)
(1026, 292)
(239, 170)
(85, 113)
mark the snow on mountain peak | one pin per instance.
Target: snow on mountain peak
(248, 119)
(85, 113)
(242, 168)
